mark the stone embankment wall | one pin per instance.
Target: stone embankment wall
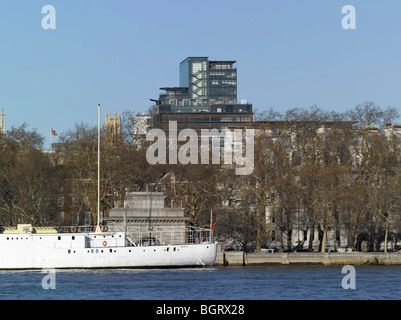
(239, 258)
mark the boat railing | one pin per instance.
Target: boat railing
(78, 229)
(158, 235)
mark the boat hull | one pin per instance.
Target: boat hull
(29, 253)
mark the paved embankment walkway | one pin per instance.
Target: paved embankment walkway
(239, 258)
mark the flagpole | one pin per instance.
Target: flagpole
(50, 149)
(98, 169)
(211, 225)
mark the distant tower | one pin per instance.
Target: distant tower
(113, 130)
(3, 122)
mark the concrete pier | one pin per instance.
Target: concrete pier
(239, 258)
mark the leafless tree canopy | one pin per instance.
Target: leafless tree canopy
(314, 170)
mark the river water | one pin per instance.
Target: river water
(213, 283)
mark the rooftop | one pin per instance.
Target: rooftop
(194, 58)
(175, 89)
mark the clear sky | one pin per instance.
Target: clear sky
(289, 53)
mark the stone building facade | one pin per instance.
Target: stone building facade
(147, 220)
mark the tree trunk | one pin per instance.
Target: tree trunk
(289, 240)
(324, 240)
(258, 247)
(386, 237)
(311, 236)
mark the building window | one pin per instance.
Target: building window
(88, 218)
(75, 201)
(60, 216)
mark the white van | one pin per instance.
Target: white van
(346, 249)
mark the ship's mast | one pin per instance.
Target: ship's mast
(98, 169)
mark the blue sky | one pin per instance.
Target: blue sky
(290, 53)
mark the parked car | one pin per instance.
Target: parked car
(346, 249)
(265, 250)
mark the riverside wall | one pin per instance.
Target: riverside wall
(239, 258)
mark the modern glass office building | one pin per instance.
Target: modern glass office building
(205, 99)
(212, 80)
(222, 81)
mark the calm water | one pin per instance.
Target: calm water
(215, 283)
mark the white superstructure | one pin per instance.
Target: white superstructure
(29, 250)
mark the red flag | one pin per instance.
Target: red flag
(54, 133)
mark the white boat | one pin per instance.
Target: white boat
(27, 247)
(30, 248)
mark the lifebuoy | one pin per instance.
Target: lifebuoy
(197, 240)
(73, 229)
(104, 243)
(105, 228)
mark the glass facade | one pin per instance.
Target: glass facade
(194, 76)
(199, 80)
(212, 80)
(223, 85)
(184, 74)
(205, 99)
